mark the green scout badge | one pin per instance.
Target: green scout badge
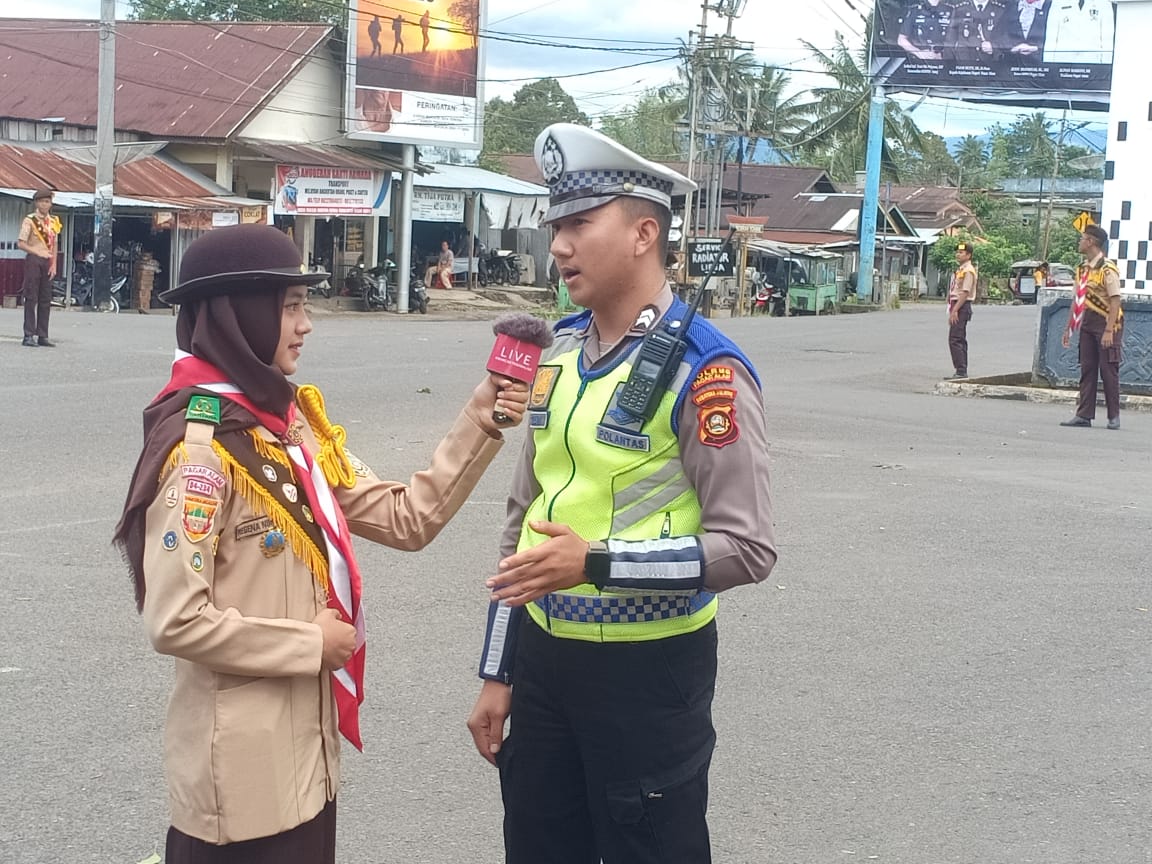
(204, 409)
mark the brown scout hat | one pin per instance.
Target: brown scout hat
(42, 193)
(964, 247)
(239, 258)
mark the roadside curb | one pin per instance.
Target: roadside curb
(1018, 387)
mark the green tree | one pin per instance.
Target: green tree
(323, 11)
(511, 126)
(648, 126)
(972, 162)
(837, 138)
(931, 164)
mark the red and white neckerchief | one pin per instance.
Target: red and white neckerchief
(1078, 302)
(343, 572)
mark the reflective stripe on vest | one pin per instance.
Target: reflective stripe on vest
(610, 478)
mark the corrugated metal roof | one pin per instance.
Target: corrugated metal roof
(329, 156)
(174, 79)
(154, 179)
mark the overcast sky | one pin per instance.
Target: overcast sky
(774, 28)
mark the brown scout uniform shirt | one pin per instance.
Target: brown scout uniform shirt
(251, 741)
(731, 482)
(964, 280)
(1094, 322)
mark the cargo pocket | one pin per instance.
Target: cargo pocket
(666, 812)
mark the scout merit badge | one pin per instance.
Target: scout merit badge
(715, 406)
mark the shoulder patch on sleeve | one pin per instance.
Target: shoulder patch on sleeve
(713, 375)
(717, 417)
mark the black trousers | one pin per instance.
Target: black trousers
(609, 750)
(958, 339)
(1098, 363)
(37, 296)
(314, 842)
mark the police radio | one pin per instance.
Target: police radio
(660, 354)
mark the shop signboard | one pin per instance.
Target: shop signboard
(706, 254)
(414, 71)
(312, 190)
(437, 205)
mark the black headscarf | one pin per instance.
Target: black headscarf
(238, 332)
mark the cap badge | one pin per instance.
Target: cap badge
(552, 162)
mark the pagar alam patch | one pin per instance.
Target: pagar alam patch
(199, 517)
(718, 423)
(713, 375)
(205, 409)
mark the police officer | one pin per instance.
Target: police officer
(924, 31)
(961, 293)
(976, 30)
(601, 638)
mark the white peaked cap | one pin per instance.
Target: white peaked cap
(585, 169)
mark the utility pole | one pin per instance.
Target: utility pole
(105, 159)
(864, 288)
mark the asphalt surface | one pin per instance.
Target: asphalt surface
(949, 664)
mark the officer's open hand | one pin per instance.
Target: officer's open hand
(555, 564)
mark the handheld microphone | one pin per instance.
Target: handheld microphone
(520, 340)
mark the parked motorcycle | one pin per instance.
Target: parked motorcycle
(82, 288)
(417, 292)
(503, 266)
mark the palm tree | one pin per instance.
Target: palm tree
(972, 159)
(774, 117)
(838, 136)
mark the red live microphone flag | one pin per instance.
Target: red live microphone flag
(520, 340)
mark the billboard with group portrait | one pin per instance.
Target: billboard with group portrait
(414, 69)
(1004, 48)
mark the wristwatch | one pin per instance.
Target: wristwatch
(598, 563)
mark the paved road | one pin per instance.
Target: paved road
(950, 664)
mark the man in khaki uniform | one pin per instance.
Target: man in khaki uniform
(1096, 313)
(38, 237)
(960, 296)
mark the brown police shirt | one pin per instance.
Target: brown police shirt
(731, 481)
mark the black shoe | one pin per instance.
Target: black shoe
(961, 374)
(29, 342)
(44, 343)
(1077, 421)
(1114, 423)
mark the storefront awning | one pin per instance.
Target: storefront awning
(85, 200)
(470, 179)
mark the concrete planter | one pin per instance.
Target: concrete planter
(1054, 365)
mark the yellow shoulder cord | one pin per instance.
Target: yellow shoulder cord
(333, 461)
(262, 503)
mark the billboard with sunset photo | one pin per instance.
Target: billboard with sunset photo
(414, 71)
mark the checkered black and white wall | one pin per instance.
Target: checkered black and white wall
(1127, 215)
